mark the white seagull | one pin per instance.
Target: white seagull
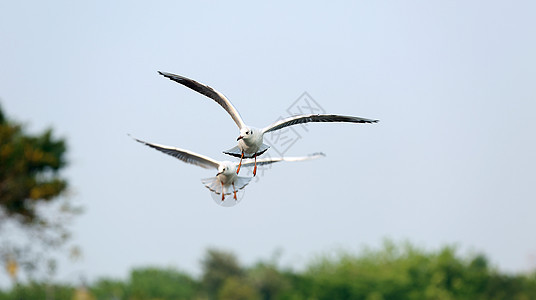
(226, 181)
(250, 140)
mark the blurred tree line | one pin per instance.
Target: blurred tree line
(396, 271)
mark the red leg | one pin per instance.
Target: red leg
(234, 190)
(255, 168)
(240, 164)
(222, 193)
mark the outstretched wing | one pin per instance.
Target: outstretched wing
(268, 161)
(314, 118)
(185, 155)
(209, 92)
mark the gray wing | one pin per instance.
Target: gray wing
(185, 155)
(268, 161)
(314, 118)
(209, 92)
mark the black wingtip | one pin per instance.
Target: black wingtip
(232, 154)
(166, 74)
(137, 140)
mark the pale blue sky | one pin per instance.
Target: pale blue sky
(451, 162)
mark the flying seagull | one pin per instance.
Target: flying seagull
(250, 140)
(226, 181)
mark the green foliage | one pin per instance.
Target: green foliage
(109, 289)
(408, 273)
(29, 185)
(152, 283)
(392, 272)
(235, 288)
(35, 290)
(148, 283)
(28, 170)
(217, 267)
(268, 280)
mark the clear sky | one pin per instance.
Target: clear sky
(451, 162)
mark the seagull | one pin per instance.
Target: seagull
(227, 177)
(250, 140)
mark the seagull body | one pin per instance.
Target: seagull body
(250, 143)
(250, 140)
(226, 182)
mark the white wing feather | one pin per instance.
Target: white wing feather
(209, 92)
(300, 119)
(267, 161)
(185, 155)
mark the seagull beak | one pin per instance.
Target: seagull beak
(219, 173)
(239, 138)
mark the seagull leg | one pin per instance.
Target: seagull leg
(222, 193)
(255, 168)
(234, 190)
(240, 164)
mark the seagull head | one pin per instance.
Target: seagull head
(245, 133)
(226, 168)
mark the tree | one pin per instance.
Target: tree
(269, 280)
(217, 267)
(234, 288)
(30, 190)
(153, 283)
(35, 290)
(106, 288)
(405, 272)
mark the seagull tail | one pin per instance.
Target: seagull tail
(241, 182)
(229, 199)
(214, 185)
(236, 152)
(262, 149)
